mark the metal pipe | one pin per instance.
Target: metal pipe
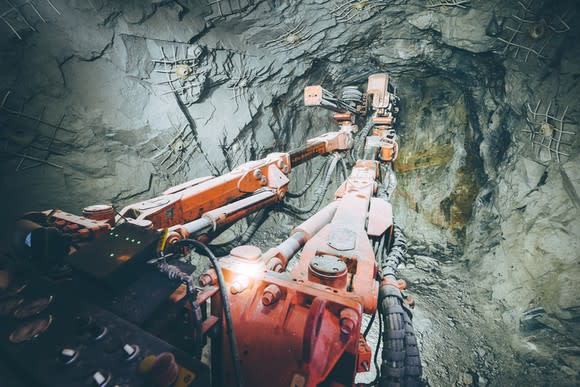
(228, 213)
(304, 232)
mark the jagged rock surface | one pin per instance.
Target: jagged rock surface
(493, 221)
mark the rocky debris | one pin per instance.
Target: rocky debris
(531, 319)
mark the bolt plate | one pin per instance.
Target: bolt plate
(327, 266)
(342, 239)
(247, 252)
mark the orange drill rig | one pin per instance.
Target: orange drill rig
(270, 322)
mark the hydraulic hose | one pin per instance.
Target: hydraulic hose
(381, 248)
(343, 168)
(175, 273)
(226, 305)
(401, 364)
(361, 137)
(396, 254)
(319, 195)
(224, 248)
(369, 325)
(253, 227)
(307, 186)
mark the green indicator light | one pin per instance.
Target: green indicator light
(138, 242)
(127, 238)
(133, 240)
(117, 235)
(112, 255)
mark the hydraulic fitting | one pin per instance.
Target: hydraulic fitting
(348, 321)
(208, 278)
(272, 294)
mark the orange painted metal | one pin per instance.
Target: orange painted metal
(80, 227)
(334, 141)
(307, 152)
(386, 120)
(277, 257)
(299, 334)
(299, 328)
(344, 117)
(100, 212)
(202, 207)
(326, 143)
(313, 96)
(364, 355)
(380, 217)
(193, 200)
(346, 237)
(389, 150)
(306, 323)
(377, 88)
(220, 217)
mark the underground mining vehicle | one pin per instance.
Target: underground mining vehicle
(107, 298)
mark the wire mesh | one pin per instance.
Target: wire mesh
(224, 8)
(547, 130)
(32, 139)
(530, 32)
(18, 15)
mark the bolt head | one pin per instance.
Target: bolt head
(271, 295)
(346, 326)
(267, 298)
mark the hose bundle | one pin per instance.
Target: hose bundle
(306, 212)
(225, 248)
(314, 177)
(361, 138)
(401, 364)
(175, 273)
(226, 305)
(396, 254)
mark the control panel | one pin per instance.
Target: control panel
(105, 256)
(50, 336)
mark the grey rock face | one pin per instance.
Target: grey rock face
(144, 95)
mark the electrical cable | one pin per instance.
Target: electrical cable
(226, 305)
(319, 195)
(222, 249)
(376, 356)
(175, 273)
(369, 325)
(314, 177)
(401, 364)
(344, 168)
(361, 137)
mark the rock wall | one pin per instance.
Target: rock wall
(488, 171)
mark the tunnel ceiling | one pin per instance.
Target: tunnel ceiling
(114, 101)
